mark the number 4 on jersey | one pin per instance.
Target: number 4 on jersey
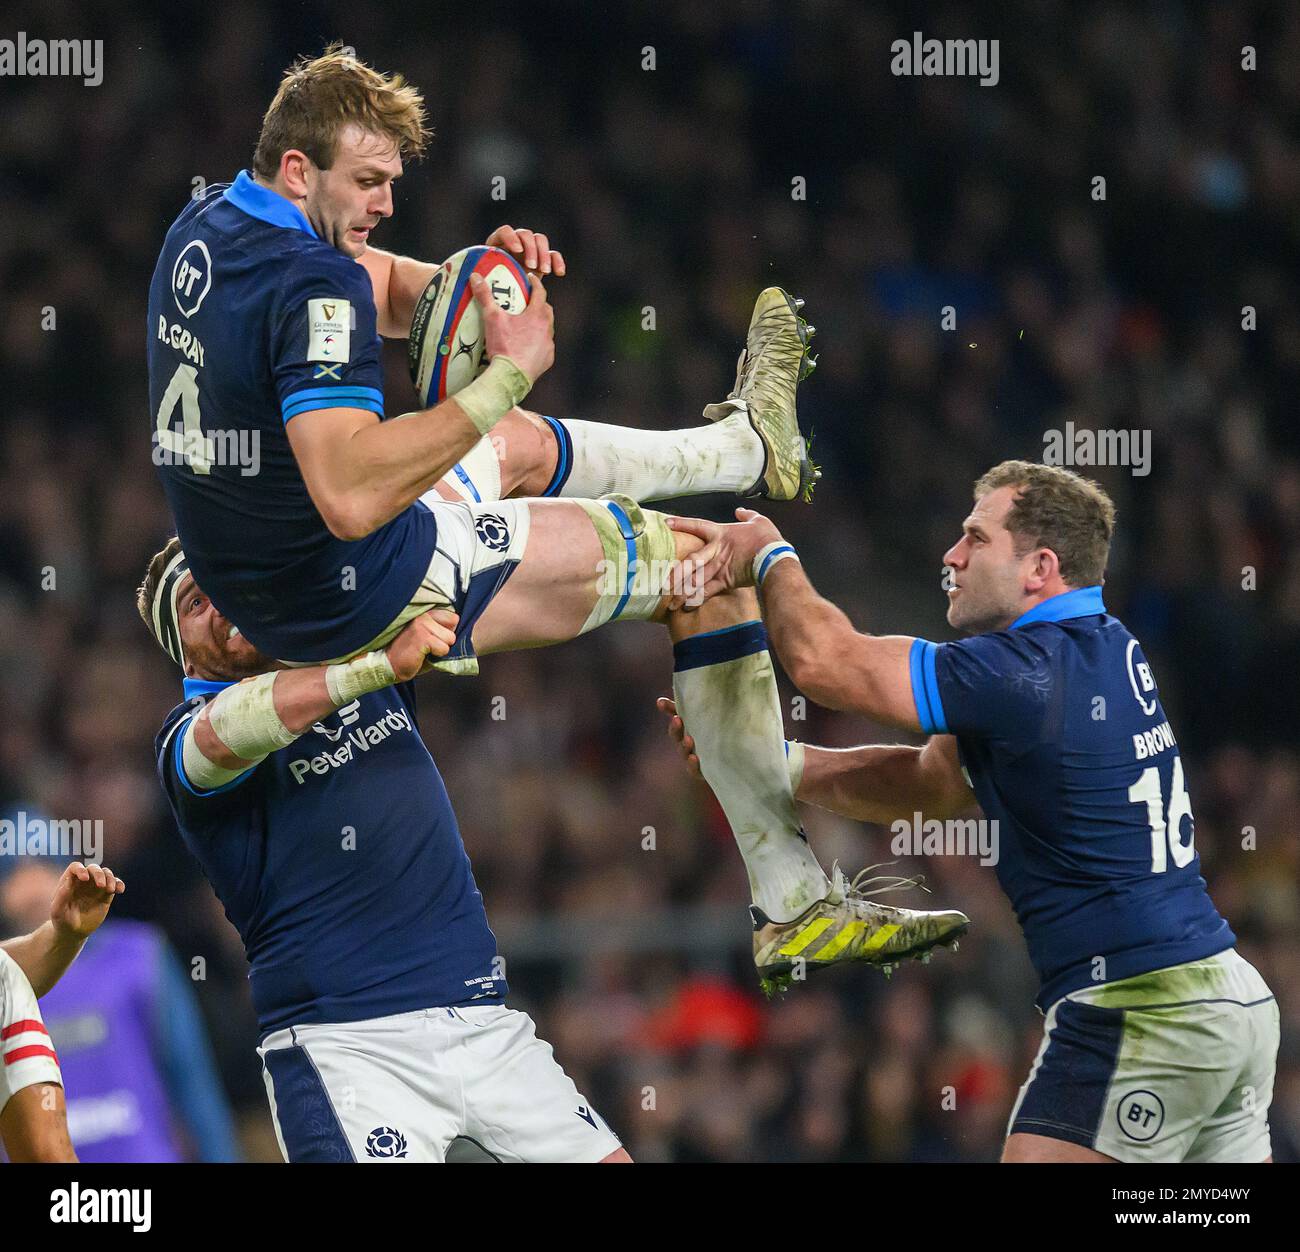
(1165, 838)
(190, 443)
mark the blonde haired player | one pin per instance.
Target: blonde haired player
(265, 327)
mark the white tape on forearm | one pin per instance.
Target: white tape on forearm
(768, 556)
(202, 772)
(794, 763)
(245, 720)
(371, 671)
(493, 393)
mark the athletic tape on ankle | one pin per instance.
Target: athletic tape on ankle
(493, 393)
(638, 550)
(371, 671)
(768, 556)
(794, 763)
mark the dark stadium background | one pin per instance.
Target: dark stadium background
(672, 188)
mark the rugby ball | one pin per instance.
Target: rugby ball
(445, 349)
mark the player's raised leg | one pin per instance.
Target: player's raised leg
(759, 414)
(725, 685)
(539, 456)
(591, 562)
(726, 692)
(752, 447)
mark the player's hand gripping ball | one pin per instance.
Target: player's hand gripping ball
(445, 350)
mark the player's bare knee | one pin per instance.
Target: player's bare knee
(531, 453)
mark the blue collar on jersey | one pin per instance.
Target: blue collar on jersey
(1081, 602)
(203, 687)
(267, 205)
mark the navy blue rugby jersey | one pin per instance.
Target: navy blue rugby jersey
(254, 322)
(339, 862)
(1065, 743)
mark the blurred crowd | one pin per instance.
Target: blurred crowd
(769, 143)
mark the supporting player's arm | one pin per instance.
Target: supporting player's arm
(826, 658)
(831, 662)
(246, 722)
(81, 902)
(362, 472)
(873, 783)
(882, 782)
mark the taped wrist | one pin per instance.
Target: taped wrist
(768, 556)
(243, 717)
(371, 671)
(638, 554)
(493, 393)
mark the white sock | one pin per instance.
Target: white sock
(661, 464)
(726, 693)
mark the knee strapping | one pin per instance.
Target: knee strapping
(639, 550)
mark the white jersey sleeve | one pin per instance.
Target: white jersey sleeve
(25, 1049)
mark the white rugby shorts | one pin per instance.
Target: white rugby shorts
(1174, 1065)
(402, 1088)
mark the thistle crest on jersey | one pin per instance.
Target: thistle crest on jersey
(386, 1143)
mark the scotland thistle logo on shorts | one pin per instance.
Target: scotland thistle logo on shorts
(385, 1142)
(492, 531)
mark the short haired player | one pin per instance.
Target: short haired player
(325, 829)
(263, 323)
(1160, 1040)
(33, 1114)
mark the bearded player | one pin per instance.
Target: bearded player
(1160, 1040)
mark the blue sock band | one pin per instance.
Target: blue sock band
(564, 458)
(716, 646)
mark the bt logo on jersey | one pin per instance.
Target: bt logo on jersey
(192, 277)
(1140, 679)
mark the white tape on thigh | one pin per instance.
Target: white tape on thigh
(638, 552)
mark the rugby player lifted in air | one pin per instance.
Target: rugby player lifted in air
(1160, 1040)
(345, 535)
(249, 280)
(33, 1113)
